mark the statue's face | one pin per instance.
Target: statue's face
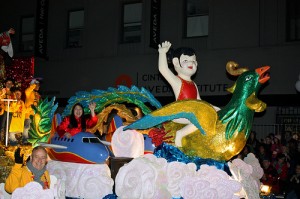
(186, 65)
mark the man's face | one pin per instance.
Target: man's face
(261, 149)
(9, 84)
(268, 140)
(187, 65)
(284, 149)
(295, 136)
(281, 160)
(37, 87)
(266, 164)
(18, 94)
(39, 159)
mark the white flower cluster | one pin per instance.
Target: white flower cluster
(248, 173)
(33, 190)
(82, 180)
(151, 177)
(129, 143)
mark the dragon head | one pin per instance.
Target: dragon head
(250, 80)
(248, 84)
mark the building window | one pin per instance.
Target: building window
(196, 18)
(132, 22)
(27, 34)
(75, 29)
(293, 20)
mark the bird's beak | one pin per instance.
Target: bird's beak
(263, 75)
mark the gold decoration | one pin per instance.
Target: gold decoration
(232, 68)
(122, 111)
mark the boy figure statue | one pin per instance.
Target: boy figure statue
(185, 64)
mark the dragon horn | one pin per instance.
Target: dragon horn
(232, 68)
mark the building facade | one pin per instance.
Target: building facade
(92, 44)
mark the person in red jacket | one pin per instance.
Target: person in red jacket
(77, 121)
(282, 169)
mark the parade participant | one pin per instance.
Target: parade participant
(77, 121)
(253, 142)
(185, 64)
(32, 97)
(5, 94)
(282, 168)
(5, 41)
(34, 170)
(6, 52)
(18, 117)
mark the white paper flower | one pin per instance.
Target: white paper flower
(82, 180)
(258, 172)
(192, 187)
(32, 190)
(137, 179)
(242, 172)
(176, 171)
(129, 143)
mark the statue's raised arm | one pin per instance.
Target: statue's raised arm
(164, 69)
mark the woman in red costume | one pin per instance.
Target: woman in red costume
(77, 121)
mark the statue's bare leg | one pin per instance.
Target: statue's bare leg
(188, 129)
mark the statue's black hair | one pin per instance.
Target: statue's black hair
(178, 52)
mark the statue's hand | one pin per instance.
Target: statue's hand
(164, 47)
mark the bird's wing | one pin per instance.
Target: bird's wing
(198, 112)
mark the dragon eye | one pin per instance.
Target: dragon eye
(248, 78)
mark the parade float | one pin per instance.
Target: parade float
(130, 120)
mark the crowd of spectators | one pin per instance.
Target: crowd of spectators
(279, 157)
